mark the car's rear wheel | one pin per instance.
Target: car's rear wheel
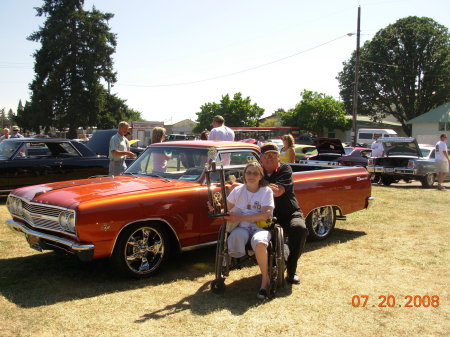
(428, 180)
(141, 250)
(320, 222)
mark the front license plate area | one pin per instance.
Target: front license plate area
(34, 242)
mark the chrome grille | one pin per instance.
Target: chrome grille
(40, 216)
(43, 210)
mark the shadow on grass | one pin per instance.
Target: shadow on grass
(237, 298)
(49, 278)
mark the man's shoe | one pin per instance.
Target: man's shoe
(293, 279)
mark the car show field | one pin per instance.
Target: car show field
(384, 272)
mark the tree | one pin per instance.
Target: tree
(236, 112)
(116, 110)
(75, 56)
(316, 112)
(404, 71)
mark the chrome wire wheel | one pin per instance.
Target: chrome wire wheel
(320, 222)
(144, 250)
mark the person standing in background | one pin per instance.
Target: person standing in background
(442, 160)
(204, 135)
(220, 131)
(6, 134)
(377, 151)
(159, 156)
(16, 134)
(119, 150)
(287, 153)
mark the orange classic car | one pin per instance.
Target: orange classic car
(159, 205)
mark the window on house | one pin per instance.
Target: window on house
(444, 126)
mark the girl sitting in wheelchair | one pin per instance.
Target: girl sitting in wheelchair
(251, 204)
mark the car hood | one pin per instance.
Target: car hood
(69, 194)
(329, 145)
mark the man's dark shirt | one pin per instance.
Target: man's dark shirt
(286, 204)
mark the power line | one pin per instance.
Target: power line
(233, 73)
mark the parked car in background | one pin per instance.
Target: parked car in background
(177, 136)
(366, 136)
(278, 142)
(30, 161)
(249, 140)
(303, 151)
(99, 143)
(355, 156)
(403, 159)
(329, 150)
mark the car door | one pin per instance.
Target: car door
(32, 164)
(73, 165)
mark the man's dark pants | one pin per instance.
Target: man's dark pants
(296, 231)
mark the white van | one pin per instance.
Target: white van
(365, 136)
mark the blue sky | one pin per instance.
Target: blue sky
(174, 56)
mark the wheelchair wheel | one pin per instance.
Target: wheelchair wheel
(279, 256)
(221, 263)
(276, 260)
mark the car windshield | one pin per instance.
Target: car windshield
(176, 163)
(348, 150)
(7, 148)
(425, 151)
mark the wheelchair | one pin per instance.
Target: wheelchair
(276, 251)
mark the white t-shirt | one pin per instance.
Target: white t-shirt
(377, 149)
(441, 147)
(221, 133)
(248, 203)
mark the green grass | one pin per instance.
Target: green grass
(399, 247)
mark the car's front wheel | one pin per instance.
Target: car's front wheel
(141, 250)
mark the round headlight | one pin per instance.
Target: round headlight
(19, 207)
(63, 220)
(9, 204)
(71, 222)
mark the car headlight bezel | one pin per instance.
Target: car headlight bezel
(67, 221)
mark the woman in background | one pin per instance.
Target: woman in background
(159, 157)
(287, 153)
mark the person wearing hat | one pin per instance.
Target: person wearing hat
(287, 210)
(6, 134)
(16, 134)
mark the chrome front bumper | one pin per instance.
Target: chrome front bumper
(41, 241)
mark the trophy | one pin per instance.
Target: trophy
(216, 194)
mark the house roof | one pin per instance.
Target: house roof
(439, 114)
(366, 121)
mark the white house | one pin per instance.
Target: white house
(427, 127)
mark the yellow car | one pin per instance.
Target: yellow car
(302, 150)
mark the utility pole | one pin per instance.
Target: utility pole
(355, 88)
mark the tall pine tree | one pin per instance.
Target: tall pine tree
(74, 60)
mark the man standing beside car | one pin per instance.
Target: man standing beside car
(119, 150)
(287, 211)
(442, 160)
(377, 151)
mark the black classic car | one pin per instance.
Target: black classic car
(28, 161)
(99, 143)
(403, 159)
